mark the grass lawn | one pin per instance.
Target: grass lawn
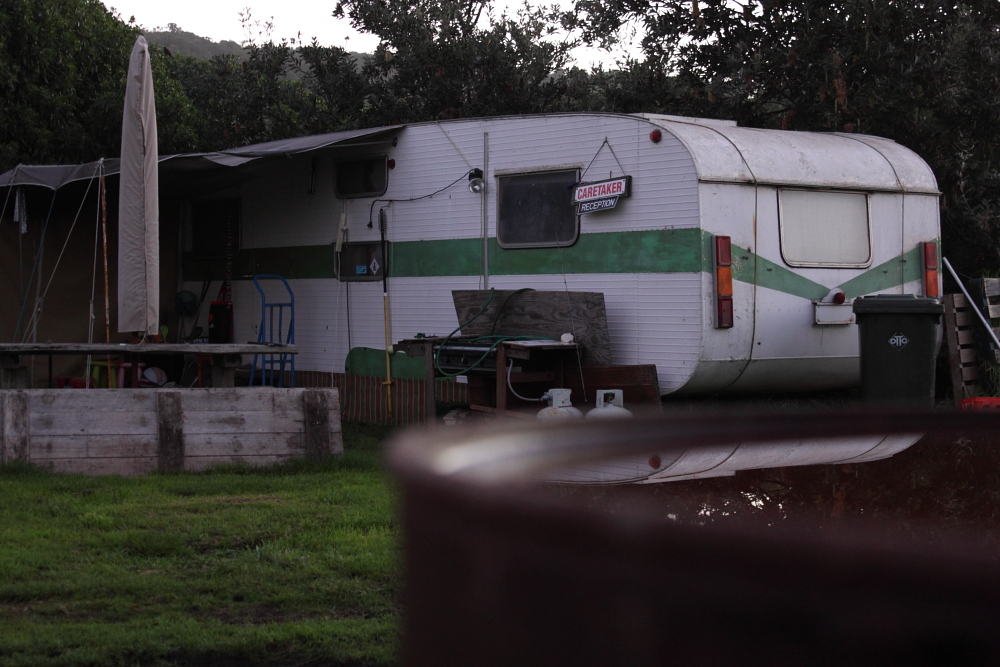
(297, 564)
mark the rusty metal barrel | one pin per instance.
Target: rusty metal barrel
(498, 572)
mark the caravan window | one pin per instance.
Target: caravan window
(362, 178)
(536, 210)
(824, 228)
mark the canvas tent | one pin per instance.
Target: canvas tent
(58, 195)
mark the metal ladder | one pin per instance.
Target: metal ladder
(274, 331)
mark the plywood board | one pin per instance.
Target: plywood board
(542, 314)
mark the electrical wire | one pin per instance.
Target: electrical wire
(371, 209)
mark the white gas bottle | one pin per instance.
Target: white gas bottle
(560, 406)
(610, 405)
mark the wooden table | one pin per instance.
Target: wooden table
(226, 358)
(506, 351)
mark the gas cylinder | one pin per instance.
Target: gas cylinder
(560, 406)
(610, 405)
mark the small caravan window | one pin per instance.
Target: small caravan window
(536, 210)
(361, 178)
(824, 228)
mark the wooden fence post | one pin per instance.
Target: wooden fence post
(170, 430)
(14, 423)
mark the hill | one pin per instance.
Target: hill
(182, 43)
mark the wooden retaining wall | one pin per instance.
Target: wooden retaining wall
(138, 431)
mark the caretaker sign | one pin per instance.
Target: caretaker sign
(602, 195)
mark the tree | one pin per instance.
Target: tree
(62, 79)
(924, 73)
(452, 58)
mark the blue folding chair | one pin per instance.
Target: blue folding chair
(274, 330)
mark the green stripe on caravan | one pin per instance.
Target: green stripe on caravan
(655, 251)
(662, 251)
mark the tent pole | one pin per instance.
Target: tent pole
(107, 302)
(385, 316)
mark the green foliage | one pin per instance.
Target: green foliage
(926, 74)
(923, 73)
(452, 58)
(61, 79)
(295, 564)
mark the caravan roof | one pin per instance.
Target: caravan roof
(727, 153)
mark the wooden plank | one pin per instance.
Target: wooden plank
(951, 341)
(93, 423)
(170, 430)
(239, 399)
(92, 400)
(964, 337)
(639, 384)
(250, 444)
(991, 287)
(83, 446)
(199, 463)
(129, 431)
(14, 426)
(242, 422)
(145, 349)
(126, 467)
(968, 356)
(545, 314)
(960, 341)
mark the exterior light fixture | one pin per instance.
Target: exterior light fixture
(476, 182)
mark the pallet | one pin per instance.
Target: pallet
(963, 361)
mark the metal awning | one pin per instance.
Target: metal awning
(172, 166)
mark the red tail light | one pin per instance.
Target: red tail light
(723, 283)
(931, 269)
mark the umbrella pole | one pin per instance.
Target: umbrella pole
(107, 301)
(385, 316)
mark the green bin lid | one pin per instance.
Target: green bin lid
(897, 303)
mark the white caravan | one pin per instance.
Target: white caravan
(655, 212)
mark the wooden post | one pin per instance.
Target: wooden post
(316, 424)
(170, 430)
(14, 423)
(430, 403)
(13, 374)
(501, 381)
(224, 369)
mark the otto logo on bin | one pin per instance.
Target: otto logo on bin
(899, 341)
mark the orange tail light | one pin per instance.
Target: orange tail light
(723, 283)
(931, 269)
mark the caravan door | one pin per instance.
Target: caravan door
(812, 244)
